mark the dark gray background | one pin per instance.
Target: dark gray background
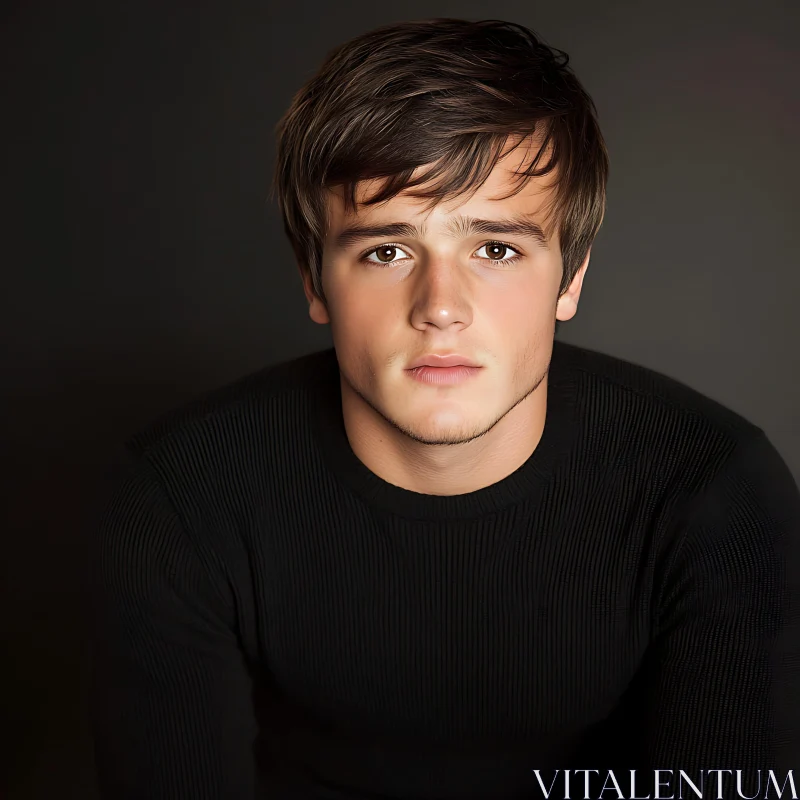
(142, 264)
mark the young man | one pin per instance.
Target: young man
(450, 556)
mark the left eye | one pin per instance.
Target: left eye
(496, 251)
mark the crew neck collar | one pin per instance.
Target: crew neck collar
(526, 481)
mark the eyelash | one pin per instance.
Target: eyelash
(505, 261)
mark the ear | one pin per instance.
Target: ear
(567, 305)
(317, 309)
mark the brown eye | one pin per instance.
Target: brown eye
(386, 253)
(496, 250)
(499, 252)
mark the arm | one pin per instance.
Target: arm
(723, 687)
(171, 706)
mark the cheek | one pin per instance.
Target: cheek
(361, 319)
(522, 308)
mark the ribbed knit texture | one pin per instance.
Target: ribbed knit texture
(274, 620)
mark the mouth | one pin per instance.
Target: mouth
(443, 361)
(443, 376)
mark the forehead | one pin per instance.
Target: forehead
(490, 197)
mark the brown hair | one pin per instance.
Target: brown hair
(447, 94)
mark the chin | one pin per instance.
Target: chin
(442, 427)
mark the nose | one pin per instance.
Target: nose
(441, 297)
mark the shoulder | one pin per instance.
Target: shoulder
(638, 419)
(621, 379)
(245, 396)
(224, 436)
(725, 487)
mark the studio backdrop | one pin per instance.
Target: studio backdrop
(143, 263)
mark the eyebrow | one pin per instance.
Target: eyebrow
(459, 227)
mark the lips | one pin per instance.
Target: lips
(450, 360)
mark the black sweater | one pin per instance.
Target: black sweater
(274, 620)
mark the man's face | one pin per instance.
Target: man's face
(487, 295)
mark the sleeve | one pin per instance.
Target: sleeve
(170, 700)
(723, 688)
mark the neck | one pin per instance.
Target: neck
(436, 469)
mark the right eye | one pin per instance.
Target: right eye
(385, 253)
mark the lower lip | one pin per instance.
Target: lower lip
(443, 376)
